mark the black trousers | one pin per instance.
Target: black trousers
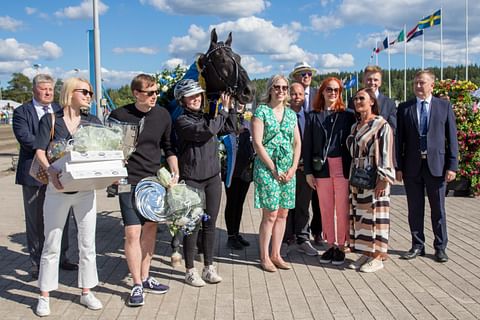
(236, 194)
(316, 223)
(298, 218)
(33, 199)
(415, 189)
(213, 194)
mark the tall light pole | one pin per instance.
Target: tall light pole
(98, 68)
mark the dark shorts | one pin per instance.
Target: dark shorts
(130, 214)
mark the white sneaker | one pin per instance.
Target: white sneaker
(193, 278)
(210, 274)
(43, 306)
(90, 301)
(176, 260)
(372, 265)
(307, 248)
(355, 265)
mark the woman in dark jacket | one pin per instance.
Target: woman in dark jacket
(327, 164)
(199, 166)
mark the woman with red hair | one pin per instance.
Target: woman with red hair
(327, 164)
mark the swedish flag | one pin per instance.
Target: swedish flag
(430, 21)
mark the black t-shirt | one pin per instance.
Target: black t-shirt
(155, 136)
(42, 139)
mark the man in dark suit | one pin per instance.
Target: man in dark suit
(303, 74)
(372, 78)
(427, 152)
(25, 126)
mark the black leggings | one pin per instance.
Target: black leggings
(236, 195)
(213, 194)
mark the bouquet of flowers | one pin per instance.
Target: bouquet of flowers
(166, 82)
(464, 99)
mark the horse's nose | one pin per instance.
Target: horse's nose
(249, 90)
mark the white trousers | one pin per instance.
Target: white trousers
(55, 212)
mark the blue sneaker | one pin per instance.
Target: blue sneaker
(153, 286)
(136, 296)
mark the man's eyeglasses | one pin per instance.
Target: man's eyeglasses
(150, 92)
(306, 73)
(85, 92)
(278, 88)
(359, 98)
(331, 90)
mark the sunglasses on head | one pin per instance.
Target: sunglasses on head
(306, 73)
(331, 90)
(85, 92)
(149, 92)
(278, 88)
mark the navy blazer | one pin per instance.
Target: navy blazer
(25, 128)
(388, 110)
(442, 144)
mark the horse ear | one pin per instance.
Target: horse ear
(229, 40)
(213, 36)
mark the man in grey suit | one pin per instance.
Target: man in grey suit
(372, 78)
(427, 158)
(25, 126)
(303, 74)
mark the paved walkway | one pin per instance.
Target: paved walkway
(419, 289)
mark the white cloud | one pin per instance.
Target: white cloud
(187, 46)
(141, 50)
(82, 11)
(9, 23)
(30, 10)
(331, 61)
(253, 66)
(325, 23)
(222, 8)
(173, 63)
(12, 50)
(9, 67)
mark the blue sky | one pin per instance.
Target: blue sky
(149, 35)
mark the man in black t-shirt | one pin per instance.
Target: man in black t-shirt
(153, 137)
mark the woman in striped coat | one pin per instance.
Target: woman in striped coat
(370, 143)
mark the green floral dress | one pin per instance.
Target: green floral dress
(278, 139)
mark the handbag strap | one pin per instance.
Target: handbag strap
(325, 151)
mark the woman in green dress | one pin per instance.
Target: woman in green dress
(276, 140)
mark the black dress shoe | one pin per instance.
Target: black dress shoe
(441, 256)
(233, 243)
(242, 240)
(413, 253)
(68, 266)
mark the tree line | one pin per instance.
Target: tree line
(20, 86)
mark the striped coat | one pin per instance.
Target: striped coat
(370, 216)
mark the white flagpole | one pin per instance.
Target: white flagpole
(376, 53)
(405, 62)
(466, 40)
(356, 77)
(441, 43)
(350, 86)
(423, 50)
(389, 73)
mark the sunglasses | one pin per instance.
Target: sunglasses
(150, 92)
(331, 90)
(278, 88)
(85, 92)
(307, 73)
(359, 98)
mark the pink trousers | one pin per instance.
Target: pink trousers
(334, 203)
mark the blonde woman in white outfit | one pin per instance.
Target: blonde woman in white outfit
(76, 94)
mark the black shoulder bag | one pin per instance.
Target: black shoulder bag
(317, 161)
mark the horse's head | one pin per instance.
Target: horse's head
(222, 71)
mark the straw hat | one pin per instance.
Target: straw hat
(301, 66)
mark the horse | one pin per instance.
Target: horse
(218, 70)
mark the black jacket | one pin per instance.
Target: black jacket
(197, 142)
(315, 140)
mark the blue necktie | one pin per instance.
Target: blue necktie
(45, 109)
(306, 104)
(423, 127)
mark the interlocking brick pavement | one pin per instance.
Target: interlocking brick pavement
(418, 289)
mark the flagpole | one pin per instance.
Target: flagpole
(349, 82)
(376, 53)
(389, 73)
(441, 43)
(466, 40)
(356, 77)
(423, 50)
(405, 62)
